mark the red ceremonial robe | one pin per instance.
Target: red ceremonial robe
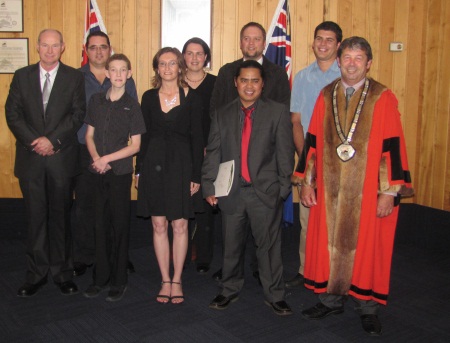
(348, 248)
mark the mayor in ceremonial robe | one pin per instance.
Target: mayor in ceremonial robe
(352, 174)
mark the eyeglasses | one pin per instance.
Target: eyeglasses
(98, 47)
(170, 64)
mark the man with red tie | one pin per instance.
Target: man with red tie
(257, 134)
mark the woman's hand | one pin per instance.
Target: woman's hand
(194, 188)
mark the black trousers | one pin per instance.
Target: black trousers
(112, 228)
(265, 226)
(84, 230)
(47, 198)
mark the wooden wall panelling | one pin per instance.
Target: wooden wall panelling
(399, 69)
(344, 19)
(442, 106)
(217, 36)
(259, 9)
(445, 96)
(143, 65)
(372, 33)
(7, 147)
(330, 10)
(360, 17)
(64, 18)
(400, 66)
(426, 156)
(316, 12)
(230, 26)
(245, 14)
(413, 89)
(383, 55)
(299, 34)
(419, 75)
(113, 21)
(129, 32)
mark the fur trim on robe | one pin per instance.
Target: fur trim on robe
(349, 249)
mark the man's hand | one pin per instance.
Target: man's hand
(308, 196)
(42, 146)
(101, 165)
(385, 205)
(212, 200)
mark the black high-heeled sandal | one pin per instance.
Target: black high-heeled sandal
(177, 296)
(161, 296)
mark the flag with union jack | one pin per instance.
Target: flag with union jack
(278, 46)
(278, 51)
(93, 22)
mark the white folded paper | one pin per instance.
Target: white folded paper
(224, 179)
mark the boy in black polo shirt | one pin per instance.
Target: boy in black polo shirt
(113, 118)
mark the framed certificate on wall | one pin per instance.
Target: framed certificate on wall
(11, 15)
(13, 54)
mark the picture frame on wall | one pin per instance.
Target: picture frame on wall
(11, 15)
(13, 54)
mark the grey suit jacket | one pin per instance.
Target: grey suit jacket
(64, 116)
(270, 156)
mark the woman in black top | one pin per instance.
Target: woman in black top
(169, 165)
(197, 56)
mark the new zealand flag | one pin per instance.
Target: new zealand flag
(278, 51)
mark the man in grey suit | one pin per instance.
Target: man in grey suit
(44, 110)
(264, 159)
(276, 87)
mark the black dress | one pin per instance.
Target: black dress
(171, 157)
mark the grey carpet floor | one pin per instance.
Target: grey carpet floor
(418, 308)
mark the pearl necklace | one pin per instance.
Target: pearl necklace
(195, 81)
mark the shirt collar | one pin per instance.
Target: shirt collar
(355, 86)
(254, 105)
(51, 72)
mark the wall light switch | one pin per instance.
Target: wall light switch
(396, 46)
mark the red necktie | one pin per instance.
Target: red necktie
(246, 132)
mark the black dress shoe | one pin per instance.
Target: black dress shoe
(256, 276)
(116, 293)
(202, 268)
(296, 282)
(280, 308)
(80, 268)
(371, 324)
(221, 302)
(30, 289)
(93, 290)
(217, 275)
(320, 311)
(68, 287)
(130, 268)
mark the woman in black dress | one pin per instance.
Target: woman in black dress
(169, 165)
(197, 56)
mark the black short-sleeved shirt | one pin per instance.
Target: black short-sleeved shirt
(114, 123)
